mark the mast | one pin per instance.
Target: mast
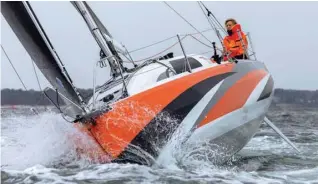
(103, 40)
(96, 28)
(105, 33)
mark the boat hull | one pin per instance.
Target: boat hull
(219, 140)
(192, 108)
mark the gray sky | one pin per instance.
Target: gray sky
(284, 34)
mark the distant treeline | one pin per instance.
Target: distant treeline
(289, 96)
(31, 97)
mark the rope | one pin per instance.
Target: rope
(186, 21)
(13, 67)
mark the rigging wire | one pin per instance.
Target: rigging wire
(206, 16)
(186, 21)
(164, 66)
(211, 21)
(161, 66)
(36, 75)
(57, 105)
(37, 78)
(204, 43)
(166, 39)
(13, 67)
(206, 30)
(200, 41)
(185, 35)
(140, 60)
(218, 26)
(152, 44)
(43, 93)
(128, 58)
(173, 46)
(212, 24)
(215, 19)
(36, 111)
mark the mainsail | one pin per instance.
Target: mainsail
(29, 31)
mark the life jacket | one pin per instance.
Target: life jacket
(233, 45)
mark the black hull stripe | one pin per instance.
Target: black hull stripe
(157, 133)
(240, 70)
(267, 91)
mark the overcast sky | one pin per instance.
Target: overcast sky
(284, 34)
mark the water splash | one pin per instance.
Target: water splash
(37, 139)
(278, 165)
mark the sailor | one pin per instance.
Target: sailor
(235, 43)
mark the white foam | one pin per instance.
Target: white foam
(170, 151)
(30, 143)
(30, 140)
(298, 176)
(199, 172)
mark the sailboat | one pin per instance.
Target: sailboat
(135, 115)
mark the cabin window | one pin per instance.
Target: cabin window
(178, 65)
(162, 76)
(168, 73)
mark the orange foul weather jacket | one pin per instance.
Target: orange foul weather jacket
(233, 45)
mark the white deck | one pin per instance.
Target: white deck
(147, 77)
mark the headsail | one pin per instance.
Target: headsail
(29, 31)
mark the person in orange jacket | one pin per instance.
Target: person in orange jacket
(235, 44)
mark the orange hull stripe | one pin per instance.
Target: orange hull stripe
(117, 128)
(235, 97)
(85, 145)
